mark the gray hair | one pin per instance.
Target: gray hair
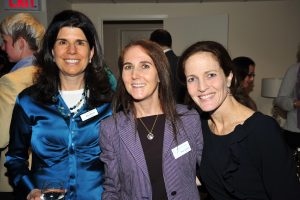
(23, 25)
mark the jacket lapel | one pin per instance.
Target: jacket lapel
(131, 139)
(168, 139)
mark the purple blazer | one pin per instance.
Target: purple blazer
(126, 174)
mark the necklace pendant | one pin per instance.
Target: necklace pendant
(150, 136)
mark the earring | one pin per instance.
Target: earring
(90, 60)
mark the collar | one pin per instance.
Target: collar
(25, 62)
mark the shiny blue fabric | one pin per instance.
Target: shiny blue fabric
(63, 147)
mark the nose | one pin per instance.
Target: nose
(135, 73)
(72, 48)
(202, 86)
(2, 47)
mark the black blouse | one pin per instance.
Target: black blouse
(252, 162)
(153, 150)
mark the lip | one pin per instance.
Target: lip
(138, 85)
(205, 96)
(72, 61)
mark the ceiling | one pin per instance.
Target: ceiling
(159, 1)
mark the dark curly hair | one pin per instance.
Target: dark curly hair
(47, 82)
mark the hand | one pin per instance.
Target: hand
(297, 104)
(35, 194)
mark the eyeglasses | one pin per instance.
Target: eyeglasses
(251, 75)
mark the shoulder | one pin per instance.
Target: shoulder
(116, 119)
(262, 127)
(185, 111)
(188, 116)
(20, 78)
(292, 70)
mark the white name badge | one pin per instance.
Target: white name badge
(181, 149)
(89, 114)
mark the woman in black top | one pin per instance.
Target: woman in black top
(244, 156)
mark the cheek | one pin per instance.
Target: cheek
(191, 89)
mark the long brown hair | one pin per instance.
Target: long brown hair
(123, 101)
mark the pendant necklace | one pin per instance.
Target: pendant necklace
(150, 134)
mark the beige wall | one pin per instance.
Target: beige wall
(268, 32)
(55, 6)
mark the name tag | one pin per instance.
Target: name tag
(181, 149)
(89, 114)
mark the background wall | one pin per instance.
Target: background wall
(268, 32)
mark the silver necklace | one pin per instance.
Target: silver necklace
(150, 134)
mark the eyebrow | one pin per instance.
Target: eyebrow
(82, 40)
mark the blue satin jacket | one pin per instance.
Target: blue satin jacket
(64, 147)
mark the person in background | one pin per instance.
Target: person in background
(245, 72)
(58, 117)
(150, 146)
(244, 156)
(164, 39)
(21, 35)
(288, 99)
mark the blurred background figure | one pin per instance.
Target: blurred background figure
(164, 39)
(58, 117)
(21, 36)
(288, 99)
(245, 72)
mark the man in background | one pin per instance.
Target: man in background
(21, 35)
(164, 39)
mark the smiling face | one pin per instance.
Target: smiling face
(206, 81)
(71, 52)
(139, 75)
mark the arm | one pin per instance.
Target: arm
(278, 170)
(17, 155)
(286, 96)
(108, 156)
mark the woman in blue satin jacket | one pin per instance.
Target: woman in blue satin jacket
(58, 118)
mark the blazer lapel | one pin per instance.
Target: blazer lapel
(131, 139)
(168, 138)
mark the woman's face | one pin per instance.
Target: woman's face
(206, 81)
(248, 82)
(139, 75)
(71, 52)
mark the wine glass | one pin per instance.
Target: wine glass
(53, 190)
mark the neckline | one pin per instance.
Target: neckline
(234, 131)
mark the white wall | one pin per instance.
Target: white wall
(268, 32)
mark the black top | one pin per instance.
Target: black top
(252, 162)
(153, 150)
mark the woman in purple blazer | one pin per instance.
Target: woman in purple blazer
(150, 146)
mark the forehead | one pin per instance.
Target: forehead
(136, 53)
(202, 62)
(71, 33)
